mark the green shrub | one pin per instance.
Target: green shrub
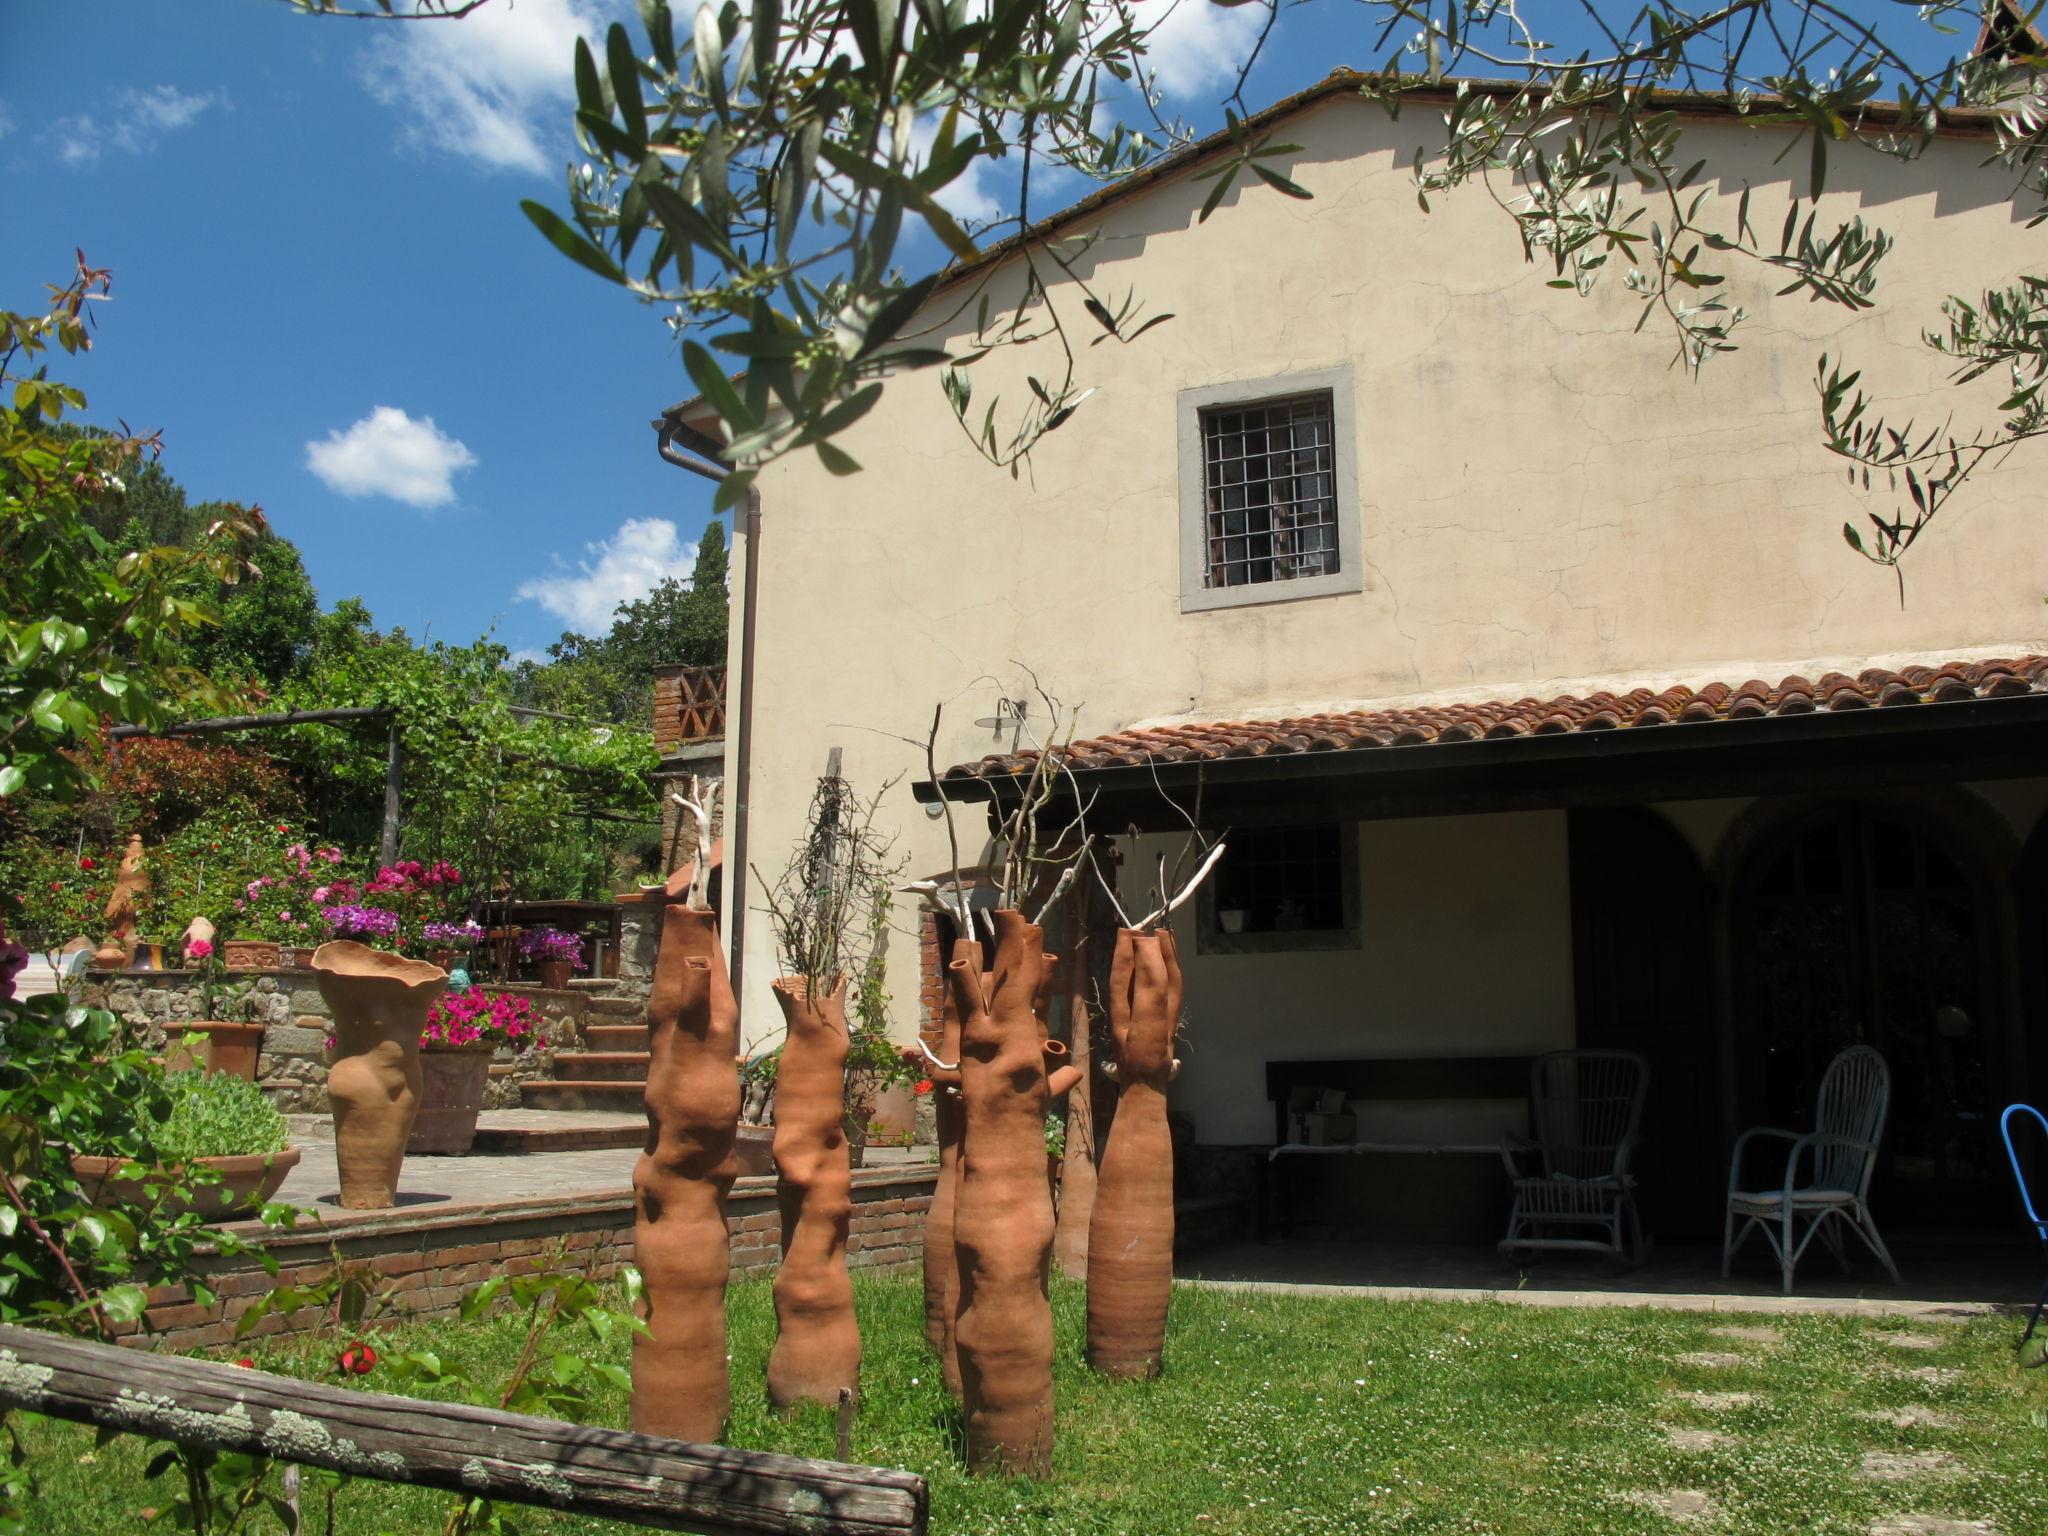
(215, 1114)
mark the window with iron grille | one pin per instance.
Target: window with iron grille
(1269, 491)
(1283, 888)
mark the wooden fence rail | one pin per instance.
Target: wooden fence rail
(639, 1479)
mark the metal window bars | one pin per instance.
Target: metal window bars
(1270, 491)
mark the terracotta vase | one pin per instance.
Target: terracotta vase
(941, 1258)
(452, 1084)
(681, 1383)
(1003, 1217)
(817, 1345)
(216, 1046)
(1130, 1239)
(554, 974)
(379, 1002)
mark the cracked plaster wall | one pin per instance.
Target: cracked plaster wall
(1543, 498)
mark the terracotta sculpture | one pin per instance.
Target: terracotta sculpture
(941, 1259)
(1130, 1241)
(817, 1345)
(681, 1385)
(132, 881)
(379, 1002)
(1003, 1219)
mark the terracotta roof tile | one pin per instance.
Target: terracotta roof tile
(1503, 720)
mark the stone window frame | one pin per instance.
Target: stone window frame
(1210, 939)
(1350, 574)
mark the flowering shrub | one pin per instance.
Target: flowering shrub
(285, 906)
(476, 1017)
(419, 894)
(460, 935)
(544, 943)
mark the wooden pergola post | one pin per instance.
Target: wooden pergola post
(394, 773)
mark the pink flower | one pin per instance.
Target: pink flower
(198, 949)
(320, 894)
(284, 917)
(329, 855)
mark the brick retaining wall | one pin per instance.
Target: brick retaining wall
(430, 1255)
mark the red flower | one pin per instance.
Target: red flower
(359, 1359)
(246, 1363)
(88, 863)
(924, 1086)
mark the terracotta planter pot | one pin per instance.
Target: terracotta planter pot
(215, 1046)
(246, 1183)
(451, 1097)
(554, 974)
(1130, 1240)
(250, 955)
(379, 1002)
(681, 1381)
(817, 1345)
(755, 1150)
(941, 1256)
(1003, 1218)
(444, 958)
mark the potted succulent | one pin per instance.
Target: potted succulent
(463, 1030)
(220, 1124)
(552, 953)
(226, 1038)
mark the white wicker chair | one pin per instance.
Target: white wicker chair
(1840, 1155)
(1573, 1186)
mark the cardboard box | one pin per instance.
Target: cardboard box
(1319, 1129)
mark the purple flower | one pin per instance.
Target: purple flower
(452, 933)
(357, 922)
(551, 944)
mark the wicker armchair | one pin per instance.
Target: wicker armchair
(1573, 1187)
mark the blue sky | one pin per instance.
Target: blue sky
(326, 297)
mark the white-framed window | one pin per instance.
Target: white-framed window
(1269, 491)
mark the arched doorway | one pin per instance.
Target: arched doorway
(1871, 922)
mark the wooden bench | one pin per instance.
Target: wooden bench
(1376, 1177)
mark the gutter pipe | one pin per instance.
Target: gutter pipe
(687, 448)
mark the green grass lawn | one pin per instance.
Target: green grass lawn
(1288, 1415)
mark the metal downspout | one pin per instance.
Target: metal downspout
(700, 457)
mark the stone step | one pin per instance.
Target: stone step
(616, 1007)
(581, 1094)
(615, 1037)
(573, 1136)
(602, 1066)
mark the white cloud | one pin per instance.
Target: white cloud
(970, 195)
(621, 568)
(389, 453)
(493, 87)
(133, 124)
(1195, 43)
(527, 653)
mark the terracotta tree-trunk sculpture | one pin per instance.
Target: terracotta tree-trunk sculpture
(1094, 926)
(1003, 1219)
(941, 1258)
(379, 1002)
(1130, 1243)
(681, 1385)
(817, 1344)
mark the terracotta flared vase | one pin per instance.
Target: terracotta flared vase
(1130, 1239)
(681, 1384)
(941, 1259)
(379, 1002)
(817, 1344)
(1003, 1218)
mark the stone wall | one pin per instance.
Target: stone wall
(428, 1256)
(292, 1068)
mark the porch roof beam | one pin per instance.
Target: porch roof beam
(1975, 739)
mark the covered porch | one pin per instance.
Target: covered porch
(1734, 880)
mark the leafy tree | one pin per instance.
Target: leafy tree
(87, 633)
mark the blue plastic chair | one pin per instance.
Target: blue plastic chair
(2027, 1199)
